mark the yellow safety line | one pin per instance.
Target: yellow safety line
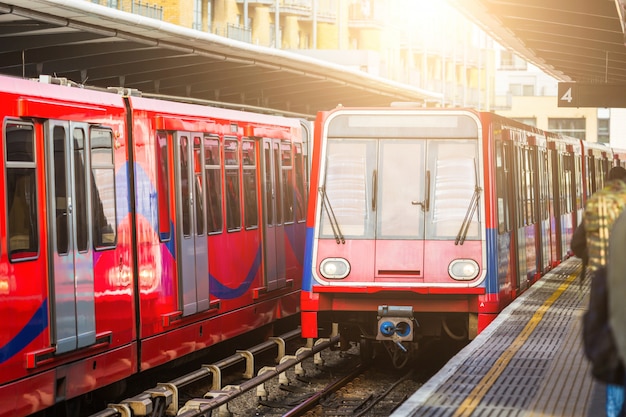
(470, 403)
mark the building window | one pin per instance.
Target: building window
(604, 122)
(569, 127)
(197, 15)
(509, 61)
(522, 89)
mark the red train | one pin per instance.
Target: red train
(136, 231)
(428, 222)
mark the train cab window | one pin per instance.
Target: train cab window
(287, 181)
(299, 164)
(21, 191)
(213, 184)
(103, 190)
(163, 186)
(250, 199)
(231, 171)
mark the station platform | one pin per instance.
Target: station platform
(527, 362)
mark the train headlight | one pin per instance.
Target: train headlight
(463, 269)
(335, 268)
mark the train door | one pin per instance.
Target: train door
(193, 260)
(273, 226)
(400, 184)
(71, 266)
(407, 196)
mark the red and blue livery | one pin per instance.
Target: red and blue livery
(426, 222)
(136, 231)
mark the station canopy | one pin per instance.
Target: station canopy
(93, 45)
(572, 40)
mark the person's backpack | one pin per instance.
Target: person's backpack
(598, 343)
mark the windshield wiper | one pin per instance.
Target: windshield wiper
(332, 219)
(460, 237)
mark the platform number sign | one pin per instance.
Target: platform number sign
(592, 95)
(566, 95)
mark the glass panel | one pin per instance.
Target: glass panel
(269, 204)
(300, 185)
(233, 204)
(199, 187)
(103, 200)
(287, 182)
(251, 212)
(163, 186)
(454, 170)
(277, 184)
(21, 191)
(350, 165)
(60, 189)
(80, 205)
(183, 143)
(402, 177)
(213, 184)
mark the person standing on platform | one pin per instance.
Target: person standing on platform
(601, 211)
(616, 289)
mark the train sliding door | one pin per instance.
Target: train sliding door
(193, 259)
(71, 265)
(273, 221)
(400, 200)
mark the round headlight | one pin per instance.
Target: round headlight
(335, 268)
(463, 269)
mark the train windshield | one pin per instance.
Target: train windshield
(402, 187)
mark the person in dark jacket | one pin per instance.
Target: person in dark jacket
(601, 211)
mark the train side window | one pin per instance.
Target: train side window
(163, 186)
(198, 181)
(103, 190)
(60, 190)
(231, 171)
(213, 184)
(21, 191)
(250, 198)
(502, 190)
(287, 181)
(80, 177)
(300, 184)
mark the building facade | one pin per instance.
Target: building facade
(423, 43)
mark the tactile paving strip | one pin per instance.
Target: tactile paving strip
(546, 376)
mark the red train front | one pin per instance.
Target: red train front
(136, 231)
(427, 222)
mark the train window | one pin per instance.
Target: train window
(183, 149)
(231, 171)
(455, 192)
(198, 170)
(163, 186)
(212, 167)
(348, 179)
(277, 184)
(251, 212)
(103, 190)
(21, 191)
(287, 181)
(299, 164)
(60, 190)
(502, 189)
(81, 192)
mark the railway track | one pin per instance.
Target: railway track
(317, 379)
